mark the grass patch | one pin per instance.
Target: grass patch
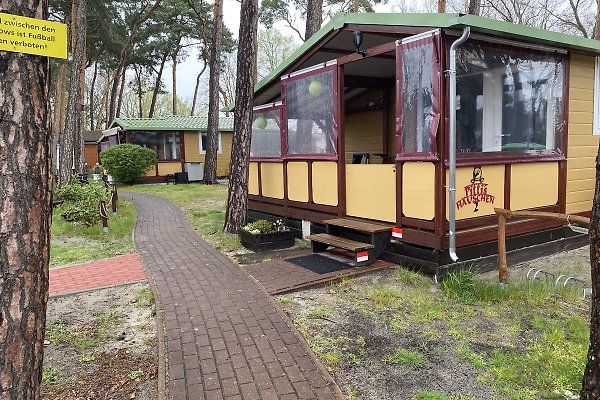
(428, 395)
(144, 298)
(404, 357)
(50, 375)
(204, 206)
(76, 243)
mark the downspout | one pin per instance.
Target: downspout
(452, 144)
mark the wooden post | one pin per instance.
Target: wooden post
(104, 216)
(502, 265)
(114, 198)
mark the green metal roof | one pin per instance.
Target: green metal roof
(172, 123)
(435, 20)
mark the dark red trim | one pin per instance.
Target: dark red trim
(259, 180)
(440, 172)
(182, 148)
(507, 183)
(372, 52)
(504, 160)
(310, 181)
(418, 223)
(562, 165)
(399, 191)
(339, 109)
(416, 157)
(402, 30)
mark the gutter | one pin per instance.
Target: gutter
(452, 144)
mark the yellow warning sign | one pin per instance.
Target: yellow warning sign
(33, 36)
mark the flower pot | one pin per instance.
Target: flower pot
(266, 241)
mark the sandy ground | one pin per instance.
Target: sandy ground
(101, 345)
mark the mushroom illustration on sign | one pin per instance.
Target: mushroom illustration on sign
(260, 122)
(315, 88)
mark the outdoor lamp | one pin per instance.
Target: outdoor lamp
(358, 38)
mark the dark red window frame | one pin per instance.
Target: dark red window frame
(510, 157)
(336, 117)
(282, 131)
(432, 154)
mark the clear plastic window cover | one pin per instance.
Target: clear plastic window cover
(166, 145)
(266, 134)
(309, 114)
(417, 98)
(508, 99)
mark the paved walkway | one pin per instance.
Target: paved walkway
(97, 274)
(226, 339)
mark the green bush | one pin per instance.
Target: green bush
(127, 162)
(81, 202)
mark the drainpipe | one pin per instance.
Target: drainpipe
(452, 144)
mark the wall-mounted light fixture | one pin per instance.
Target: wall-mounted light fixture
(358, 38)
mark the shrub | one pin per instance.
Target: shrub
(263, 226)
(81, 202)
(127, 162)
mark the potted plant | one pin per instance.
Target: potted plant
(263, 235)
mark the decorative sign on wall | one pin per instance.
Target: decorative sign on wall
(33, 36)
(476, 192)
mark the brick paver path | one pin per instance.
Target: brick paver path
(225, 337)
(96, 274)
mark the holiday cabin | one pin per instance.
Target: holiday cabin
(356, 125)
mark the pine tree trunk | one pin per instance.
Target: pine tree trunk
(474, 7)
(195, 100)
(157, 85)
(91, 100)
(237, 199)
(58, 120)
(212, 135)
(121, 91)
(441, 6)
(314, 17)
(70, 153)
(590, 388)
(25, 183)
(174, 78)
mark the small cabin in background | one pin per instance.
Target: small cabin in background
(355, 124)
(91, 147)
(179, 142)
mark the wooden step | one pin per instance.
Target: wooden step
(340, 242)
(359, 226)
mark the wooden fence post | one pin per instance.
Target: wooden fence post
(104, 216)
(114, 198)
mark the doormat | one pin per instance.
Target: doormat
(319, 264)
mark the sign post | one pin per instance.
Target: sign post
(33, 36)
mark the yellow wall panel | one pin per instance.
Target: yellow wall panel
(297, 180)
(580, 174)
(165, 168)
(581, 106)
(151, 171)
(583, 140)
(580, 130)
(573, 208)
(533, 185)
(580, 197)
(253, 179)
(418, 190)
(192, 151)
(582, 184)
(271, 178)
(579, 81)
(580, 163)
(585, 94)
(490, 195)
(364, 134)
(582, 151)
(325, 183)
(371, 191)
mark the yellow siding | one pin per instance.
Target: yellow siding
(418, 190)
(271, 178)
(151, 171)
(533, 185)
(192, 151)
(253, 179)
(364, 134)
(297, 180)
(371, 191)
(165, 168)
(493, 176)
(325, 183)
(582, 146)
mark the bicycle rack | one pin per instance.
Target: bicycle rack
(533, 274)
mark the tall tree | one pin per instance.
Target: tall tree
(273, 48)
(212, 135)
(314, 17)
(590, 388)
(474, 7)
(25, 182)
(237, 199)
(71, 142)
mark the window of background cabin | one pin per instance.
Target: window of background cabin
(203, 142)
(508, 100)
(309, 115)
(166, 145)
(266, 133)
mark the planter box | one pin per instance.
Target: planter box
(266, 241)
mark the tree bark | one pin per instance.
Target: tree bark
(314, 17)
(441, 6)
(91, 100)
(70, 153)
(237, 199)
(212, 135)
(195, 100)
(58, 120)
(590, 388)
(157, 85)
(474, 7)
(25, 183)
(121, 90)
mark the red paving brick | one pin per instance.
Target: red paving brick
(97, 274)
(225, 337)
